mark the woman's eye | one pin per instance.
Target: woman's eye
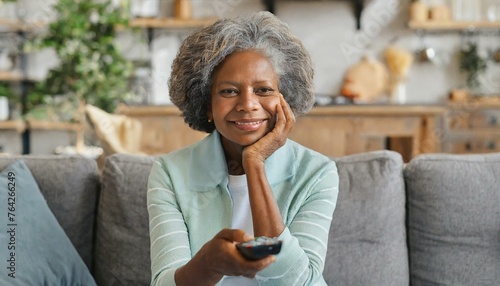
(228, 92)
(264, 91)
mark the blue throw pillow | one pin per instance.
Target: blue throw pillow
(34, 249)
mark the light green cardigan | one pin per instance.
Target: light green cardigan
(189, 203)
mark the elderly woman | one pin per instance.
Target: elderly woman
(243, 81)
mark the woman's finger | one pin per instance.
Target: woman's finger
(288, 113)
(237, 235)
(288, 110)
(264, 262)
(256, 266)
(280, 117)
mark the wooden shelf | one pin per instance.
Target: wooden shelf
(17, 125)
(483, 102)
(171, 23)
(147, 110)
(20, 126)
(453, 25)
(48, 125)
(18, 25)
(10, 76)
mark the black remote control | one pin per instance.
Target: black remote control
(259, 247)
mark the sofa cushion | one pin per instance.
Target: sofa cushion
(122, 233)
(367, 243)
(36, 248)
(70, 186)
(454, 219)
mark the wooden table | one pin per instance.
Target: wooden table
(333, 130)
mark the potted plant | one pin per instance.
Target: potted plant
(473, 65)
(92, 70)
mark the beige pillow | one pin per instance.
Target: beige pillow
(118, 133)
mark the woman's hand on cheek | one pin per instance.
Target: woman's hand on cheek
(222, 257)
(272, 141)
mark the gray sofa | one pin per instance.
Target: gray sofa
(435, 221)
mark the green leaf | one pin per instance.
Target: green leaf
(77, 73)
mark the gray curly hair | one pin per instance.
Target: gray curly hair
(201, 52)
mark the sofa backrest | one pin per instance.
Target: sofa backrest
(367, 239)
(70, 186)
(454, 219)
(122, 231)
(367, 242)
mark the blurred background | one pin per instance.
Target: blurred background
(90, 77)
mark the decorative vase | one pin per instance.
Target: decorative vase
(183, 9)
(398, 94)
(419, 12)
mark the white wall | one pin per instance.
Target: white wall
(327, 29)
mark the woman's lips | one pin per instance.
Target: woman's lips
(248, 125)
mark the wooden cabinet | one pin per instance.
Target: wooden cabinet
(344, 130)
(333, 131)
(472, 127)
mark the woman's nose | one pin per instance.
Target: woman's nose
(247, 101)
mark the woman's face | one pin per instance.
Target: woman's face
(244, 98)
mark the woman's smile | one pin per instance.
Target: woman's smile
(249, 124)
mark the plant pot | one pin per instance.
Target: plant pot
(4, 108)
